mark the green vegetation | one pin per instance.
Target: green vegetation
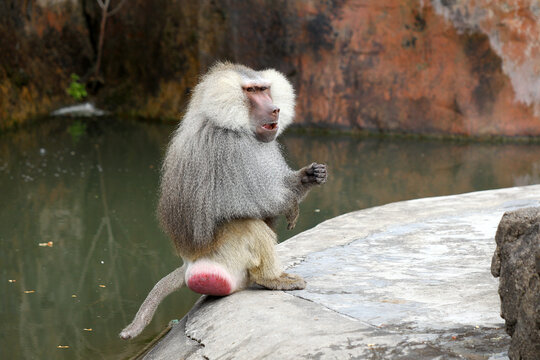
(76, 90)
(77, 129)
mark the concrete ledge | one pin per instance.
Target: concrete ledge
(405, 280)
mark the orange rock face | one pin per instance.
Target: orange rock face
(399, 66)
(445, 67)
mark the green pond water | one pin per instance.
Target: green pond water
(89, 188)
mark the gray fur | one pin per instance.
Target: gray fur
(213, 174)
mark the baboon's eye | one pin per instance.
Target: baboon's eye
(263, 88)
(250, 89)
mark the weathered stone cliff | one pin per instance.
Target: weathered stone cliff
(439, 67)
(516, 262)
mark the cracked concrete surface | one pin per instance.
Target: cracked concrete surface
(408, 280)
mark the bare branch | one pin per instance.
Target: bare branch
(101, 4)
(115, 10)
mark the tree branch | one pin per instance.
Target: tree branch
(115, 10)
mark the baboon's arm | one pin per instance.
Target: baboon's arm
(301, 182)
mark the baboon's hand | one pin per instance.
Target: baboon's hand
(314, 174)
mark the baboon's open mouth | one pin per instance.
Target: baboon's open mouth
(270, 126)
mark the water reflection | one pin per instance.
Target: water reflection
(93, 195)
(94, 198)
(374, 171)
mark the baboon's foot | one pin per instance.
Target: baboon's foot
(283, 282)
(209, 278)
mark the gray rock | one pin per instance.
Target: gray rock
(408, 280)
(516, 262)
(174, 345)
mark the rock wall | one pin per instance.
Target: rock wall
(442, 67)
(517, 263)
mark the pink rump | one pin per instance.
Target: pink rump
(208, 278)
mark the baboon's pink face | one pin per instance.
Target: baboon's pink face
(263, 114)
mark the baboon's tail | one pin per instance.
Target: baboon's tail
(165, 286)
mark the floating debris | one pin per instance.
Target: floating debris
(46, 244)
(29, 291)
(62, 347)
(102, 286)
(12, 281)
(79, 110)
(317, 210)
(87, 329)
(73, 296)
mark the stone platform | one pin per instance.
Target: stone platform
(408, 280)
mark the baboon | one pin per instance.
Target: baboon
(223, 183)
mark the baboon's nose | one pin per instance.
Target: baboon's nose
(275, 112)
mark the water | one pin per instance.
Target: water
(89, 188)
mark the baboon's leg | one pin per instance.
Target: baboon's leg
(245, 254)
(265, 269)
(224, 270)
